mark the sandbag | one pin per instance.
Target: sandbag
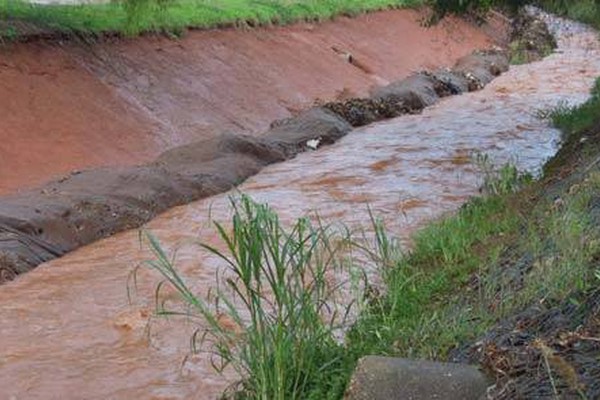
(415, 92)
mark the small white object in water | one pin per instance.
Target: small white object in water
(313, 143)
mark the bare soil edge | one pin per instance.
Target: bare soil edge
(42, 224)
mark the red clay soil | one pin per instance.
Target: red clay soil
(66, 107)
(56, 117)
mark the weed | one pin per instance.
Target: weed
(503, 180)
(279, 301)
(574, 119)
(520, 52)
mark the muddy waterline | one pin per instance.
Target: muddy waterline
(68, 330)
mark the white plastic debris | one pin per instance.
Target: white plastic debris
(313, 144)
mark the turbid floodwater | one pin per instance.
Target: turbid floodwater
(69, 331)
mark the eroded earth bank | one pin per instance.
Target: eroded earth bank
(68, 106)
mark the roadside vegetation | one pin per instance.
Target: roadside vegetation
(132, 17)
(20, 18)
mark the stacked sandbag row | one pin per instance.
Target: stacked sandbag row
(413, 94)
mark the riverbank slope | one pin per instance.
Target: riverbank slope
(71, 105)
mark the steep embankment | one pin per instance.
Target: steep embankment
(70, 106)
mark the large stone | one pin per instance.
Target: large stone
(385, 378)
(318, 123)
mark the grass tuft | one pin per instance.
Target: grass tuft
(275, 320)
(572, 120)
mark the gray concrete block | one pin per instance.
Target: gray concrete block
(386, 378)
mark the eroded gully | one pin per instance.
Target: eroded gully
(68, 329)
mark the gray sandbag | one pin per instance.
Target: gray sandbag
(386, 378)
(19, 251)
(455, 82)
(496, 60)
(39, 225)
(318, 123)
(415, 92)
(239, 154)
(481, 67)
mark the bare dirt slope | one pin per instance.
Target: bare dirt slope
(55, 117)
(73, 106)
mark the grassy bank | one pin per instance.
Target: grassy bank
(130, 17)
(135, 16)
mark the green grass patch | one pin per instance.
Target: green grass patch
(412, 319)
(572, 120)
(131, 17)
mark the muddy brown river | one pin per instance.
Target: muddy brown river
(68, 331)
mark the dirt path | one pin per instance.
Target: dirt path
(68, 107)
